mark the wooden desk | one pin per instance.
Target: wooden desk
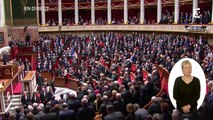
(72, 84)
(8, 71)
(59, 81)
(29, 76)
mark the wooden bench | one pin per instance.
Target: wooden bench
(59, 82)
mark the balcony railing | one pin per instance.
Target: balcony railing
(205, 29)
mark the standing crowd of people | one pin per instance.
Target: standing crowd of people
(119, 76)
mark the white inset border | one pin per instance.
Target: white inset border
(197, 71)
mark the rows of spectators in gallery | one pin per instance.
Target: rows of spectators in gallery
(167, 18)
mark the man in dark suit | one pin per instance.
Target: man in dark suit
(102, 109)
(112, 114)
(40, 80)
(209, 95)
(126, 95)
(40, 113)
(67, 114)
(27, 39)
(91, 96)
(86, 112)
(25, 99)
(155, 106)
(209, 98)
(48, 114)
(19, 114)
(43, 95)
(35, 98)
(73, 103)
(35, 111)
(5, 58)
(119, 104)
(141, 113)
(24, 117)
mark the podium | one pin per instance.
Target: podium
(29, 82)
(59, 81)
(71, 83)
(8, 71)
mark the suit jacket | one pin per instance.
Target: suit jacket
(209, 98)
(114, 116)
(74, 104)
(130, 116)
(38, 116)
(86, 113)
(102, 109)
(44, 98)
(35, 99)
(49, 116)
(120, 106)
(67, 115)
(154, 108)
(127, 96)
(25, 100)
(141, 113)
(5, 58)
(40, 81)
(24, 117)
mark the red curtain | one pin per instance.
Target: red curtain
(68, 14)
(168, 8)
(52, 15)
(14, 52)
(186, 8)
(134, 12)
(101, 4)
(117, 14)
(85, 14)
(151, 14)
(101, 13)
(67, 1)
(68, 6)
(51, 1)
(205, 6)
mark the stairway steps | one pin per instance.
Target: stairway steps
(16, 104)
(16, 101)
(13, 96)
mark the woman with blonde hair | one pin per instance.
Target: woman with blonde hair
(186, 90)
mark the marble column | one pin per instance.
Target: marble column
(109, 12)
(177, 11)
(159, 11)
(93, 11)
(76, 12)
(2, 16)
(37, 13)
(125, 11)
(43, 17)
(59, 12)
(194, 6)
(142, 12)
(212, 12)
